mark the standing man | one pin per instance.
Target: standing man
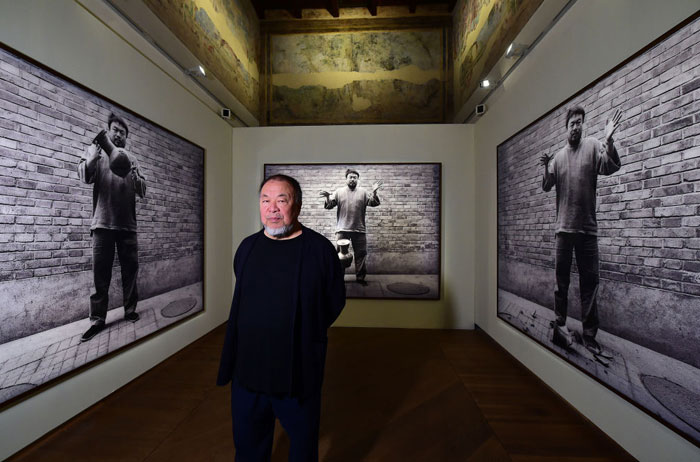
(352, 202)
(289, 290)
(574, 172)
(116, 181)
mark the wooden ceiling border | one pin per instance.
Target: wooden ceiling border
(355, 24)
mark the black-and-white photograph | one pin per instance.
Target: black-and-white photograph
(101, 230)
(384, 220)
(599, 230)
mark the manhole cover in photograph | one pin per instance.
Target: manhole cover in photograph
(178, 307)
(682, 402)
(408, 288)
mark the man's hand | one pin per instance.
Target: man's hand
(376, 186)
(612, 124)
(324, 194)
(94, 150)
(544, 159)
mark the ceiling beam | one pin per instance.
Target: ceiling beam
(333, 8)
(259, 6)
(372, 7)
(287, 26)
(295, 8)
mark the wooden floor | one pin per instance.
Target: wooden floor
(389, 395)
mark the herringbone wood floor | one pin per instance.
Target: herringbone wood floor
(389, 395)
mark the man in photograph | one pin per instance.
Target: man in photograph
(352, 202)
(574, 171)
(289, 290)
(117, 180)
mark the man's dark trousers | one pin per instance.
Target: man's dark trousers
(359, 249)
(254, 424)
(103, 243)
(585, 246)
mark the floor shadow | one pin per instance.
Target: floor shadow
(387, 393)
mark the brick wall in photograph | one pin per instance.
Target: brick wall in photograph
(45, 210)
(45, 125)
(403, 232)
(648, 212)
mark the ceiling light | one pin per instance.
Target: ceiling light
(485, 83)
(516, 50)
(196, 71)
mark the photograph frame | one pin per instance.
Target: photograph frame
(199, 307)
(519, 325)
(429, 290)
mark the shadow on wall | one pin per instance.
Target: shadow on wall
(660, 320)
(37, 304)
(400, 263)
(449, 313)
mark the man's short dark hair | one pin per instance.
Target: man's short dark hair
(576, 110)
(115, 118)
(287, 179)
(349, 171)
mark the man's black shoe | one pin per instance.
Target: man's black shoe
(133, 316)
(91, 332)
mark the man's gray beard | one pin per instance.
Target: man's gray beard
(283, 231)
(574, 143)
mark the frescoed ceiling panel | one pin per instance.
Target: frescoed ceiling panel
(357, 77)
(482, 31)
(347, 61)
(224, 35)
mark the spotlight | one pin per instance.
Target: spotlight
(485, 83)
(197, 71)
(480, 110)
(516, 50)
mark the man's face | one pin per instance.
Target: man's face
(575, 128)
(117, 134)
(278, 211)
(352, 180)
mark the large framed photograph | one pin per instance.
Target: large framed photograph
(384, 220)
(599, 229)
(101, 230)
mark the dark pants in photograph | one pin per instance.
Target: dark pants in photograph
(104, 242)
(359, 249)
(586, 249)
(254, 425)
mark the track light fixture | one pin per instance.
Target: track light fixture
(516, 50)
(197, 71)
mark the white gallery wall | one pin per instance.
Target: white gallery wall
(94, 48)
(449, 144)
(589, 40)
